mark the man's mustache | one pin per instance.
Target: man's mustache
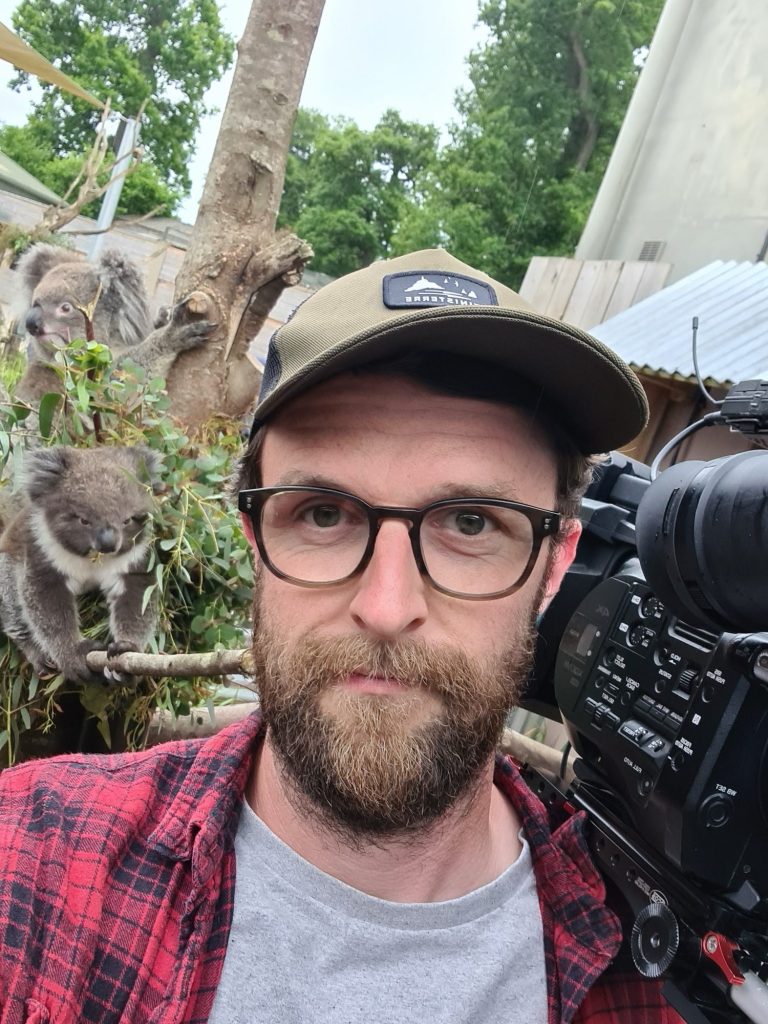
(439, 668)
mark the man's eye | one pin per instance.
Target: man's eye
(323, 515)
(470, 524)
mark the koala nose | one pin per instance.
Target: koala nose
(106, 540)
(34, 321)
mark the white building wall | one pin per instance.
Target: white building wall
(690, 167)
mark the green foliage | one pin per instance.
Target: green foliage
(346, 189)
(201, 563)
(549, 91)
(165, 53)
(17, 239)
(143, 189)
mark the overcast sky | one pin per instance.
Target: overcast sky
(406, 54)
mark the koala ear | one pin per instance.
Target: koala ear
(39, 259)
(124, 297)
(149, 465)
(44, 469)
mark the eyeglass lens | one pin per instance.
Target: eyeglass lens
(468, 549)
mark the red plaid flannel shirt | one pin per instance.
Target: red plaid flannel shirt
(117, 879)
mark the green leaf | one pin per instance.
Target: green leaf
(49, 403)
(105, 732)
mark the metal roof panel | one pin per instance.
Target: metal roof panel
(731, 301)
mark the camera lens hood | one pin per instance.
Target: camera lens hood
(702, 538)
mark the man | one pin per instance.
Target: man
(410, 492)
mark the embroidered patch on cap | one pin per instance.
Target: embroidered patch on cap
(435, 288)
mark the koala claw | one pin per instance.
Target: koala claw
(113, 675)
(195, 334)
(44, 669)
(76, 669)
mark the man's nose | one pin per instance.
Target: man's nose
(390, 595)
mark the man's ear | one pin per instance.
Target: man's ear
(248, 531)
(563, 554)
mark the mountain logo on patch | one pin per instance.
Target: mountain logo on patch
(435, 288)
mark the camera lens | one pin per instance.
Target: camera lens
(702, 538)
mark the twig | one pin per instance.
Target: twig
(177, 666)
(121, 223)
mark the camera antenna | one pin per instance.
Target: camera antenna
(705, 421)
(702, 385)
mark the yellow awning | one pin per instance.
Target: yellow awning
(16, 52)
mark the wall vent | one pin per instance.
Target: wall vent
(651, 251)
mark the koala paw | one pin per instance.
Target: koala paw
(44, 668)
(112, 674)
(194, 334)
(75, 667)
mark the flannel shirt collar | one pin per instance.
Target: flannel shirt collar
(203, 817)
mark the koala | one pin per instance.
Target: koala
(57, 283)
(82, 524)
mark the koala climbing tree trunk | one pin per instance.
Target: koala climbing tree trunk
(237, 266)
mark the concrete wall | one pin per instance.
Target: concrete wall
(690, 167)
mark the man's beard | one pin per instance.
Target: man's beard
(375, 766)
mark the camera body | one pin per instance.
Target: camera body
(655, 655)
(675, 718)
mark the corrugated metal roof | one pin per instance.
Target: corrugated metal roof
(15, 179)
(731, 301)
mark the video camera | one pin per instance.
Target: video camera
(655, 654)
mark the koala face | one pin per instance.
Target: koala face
(91, 502)
(84, 528)
(54, 317)
(60, 284)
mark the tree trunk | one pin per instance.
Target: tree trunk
(235, 257)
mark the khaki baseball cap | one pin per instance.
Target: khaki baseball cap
(430, 301)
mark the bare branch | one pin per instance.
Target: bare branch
(586, 104)
(176, 666)
(59, 214)
(200, 724)
(123, 222)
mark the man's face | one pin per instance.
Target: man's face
(385, 698)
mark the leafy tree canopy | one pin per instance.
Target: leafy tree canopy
(162, 53)
(142, 192)
(549, 90)
(346, 189)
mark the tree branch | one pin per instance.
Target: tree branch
(199, 724)
(586, 105)
(177, 666)
(124, 222)
(56, 216)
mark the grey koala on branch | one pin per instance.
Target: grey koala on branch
(83, 524)
(58, 283)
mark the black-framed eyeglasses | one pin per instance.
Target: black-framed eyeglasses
(473, 548)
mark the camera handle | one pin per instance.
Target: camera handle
(713, 952)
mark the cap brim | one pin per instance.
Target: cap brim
(591, 392)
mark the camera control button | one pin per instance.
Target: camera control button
(716, 811)
(634, 731)
(655, 744)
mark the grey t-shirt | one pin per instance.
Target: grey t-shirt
(306, 948)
